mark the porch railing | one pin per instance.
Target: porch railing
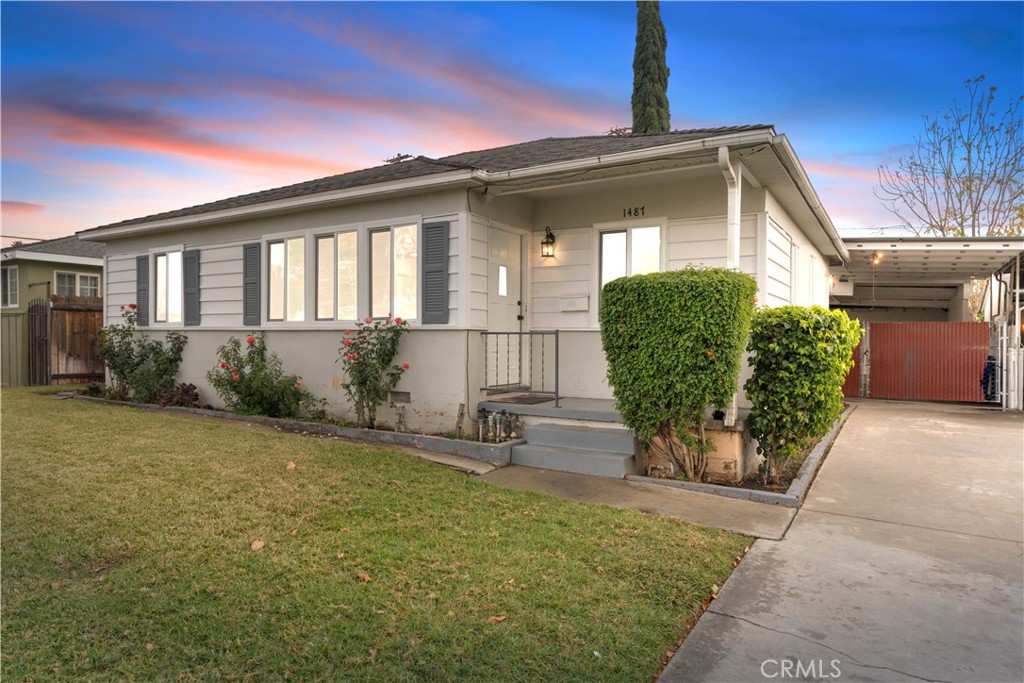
(521, 362)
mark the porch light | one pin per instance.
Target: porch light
(547, 245)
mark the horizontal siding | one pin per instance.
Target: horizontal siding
(120, 289)
(703, 243)
(478, 262)
(779, 267)
(568, 273)
(220, 286)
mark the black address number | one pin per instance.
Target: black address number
(633, 212)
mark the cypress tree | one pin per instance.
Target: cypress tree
(650, 72)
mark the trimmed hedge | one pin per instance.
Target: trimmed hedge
(802, 356)
(673, 342)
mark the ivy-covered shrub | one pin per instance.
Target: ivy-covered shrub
(139, 367)
(251, 382)
(801, 358)
(368, 356)
(673, 342)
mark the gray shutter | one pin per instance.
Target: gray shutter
(190, 274)
(142, 288)
(435, 273)
(251, 284)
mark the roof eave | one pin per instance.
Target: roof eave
(22, 255)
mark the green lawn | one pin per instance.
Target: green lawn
(127, 554)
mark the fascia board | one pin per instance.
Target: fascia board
(22, 255)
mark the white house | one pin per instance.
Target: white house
(454, 245)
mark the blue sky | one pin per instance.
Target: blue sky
(118, 110)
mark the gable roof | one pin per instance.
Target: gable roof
(63, 249)
(498, 159)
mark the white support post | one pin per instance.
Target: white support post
(734, 183)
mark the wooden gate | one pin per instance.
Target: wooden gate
(75, 324)
(923, 362)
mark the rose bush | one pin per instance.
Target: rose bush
(367, 355)
(139, 367)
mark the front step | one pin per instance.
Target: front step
(583, 450)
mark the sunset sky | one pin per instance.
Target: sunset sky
(118, 110)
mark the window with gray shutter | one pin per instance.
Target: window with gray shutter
(190, 275)
(435, 273)
(142, 289)
(251, 284)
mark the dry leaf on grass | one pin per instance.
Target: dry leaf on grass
(291, 465)
(497, 619)
(363, 576)
(257, 544)
(149, 647)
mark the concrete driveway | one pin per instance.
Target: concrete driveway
(906, 562)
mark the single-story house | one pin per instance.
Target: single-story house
(60, 269)
(497, 257)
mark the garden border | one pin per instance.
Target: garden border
(496, 454)
(792, 498)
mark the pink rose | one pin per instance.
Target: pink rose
(347, 342)
(367, 320)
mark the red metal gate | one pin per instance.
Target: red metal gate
(927, 361)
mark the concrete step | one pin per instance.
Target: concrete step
(578, 460)
(578, 436)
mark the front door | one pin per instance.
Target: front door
(505, 310)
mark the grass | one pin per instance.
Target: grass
(127, 555)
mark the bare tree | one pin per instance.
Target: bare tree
(965, 174)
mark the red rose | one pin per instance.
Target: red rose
(398, 321)
(122, 308)
(234, 369)
(223, 366)
(347, 342)
(347, 332)
(250, 340)
(234, 377)
(355, 355)
(132, 306)
(405, 366)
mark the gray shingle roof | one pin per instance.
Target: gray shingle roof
(507, 158)
(64, 246)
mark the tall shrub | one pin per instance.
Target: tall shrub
(673, 342)
(801, 358)
(139, 367)
(368, 356)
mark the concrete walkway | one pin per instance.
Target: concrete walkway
(906, 562)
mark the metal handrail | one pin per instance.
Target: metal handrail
(521, 367)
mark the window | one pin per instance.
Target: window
(9, 286)
(630, 251)
(393, 286)
(287, 281)
(336, 277)
(89, 285)
(168, 287)
(65, 284)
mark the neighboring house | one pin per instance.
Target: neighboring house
(67, 268)
(455, 246)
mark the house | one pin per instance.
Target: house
(455, 246)
(66, 270)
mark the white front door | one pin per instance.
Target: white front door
(504, 311)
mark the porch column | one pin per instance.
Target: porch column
(733, 184)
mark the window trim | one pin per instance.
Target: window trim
(152, 294)
(283, 240)
(77, 287)
(12, 290)
(628, 227)
(333, 235)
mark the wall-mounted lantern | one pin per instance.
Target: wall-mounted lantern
(547, 245)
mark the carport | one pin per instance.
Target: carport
(912, 296)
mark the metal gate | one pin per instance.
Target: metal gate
(924, 362)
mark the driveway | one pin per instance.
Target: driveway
(906, 562)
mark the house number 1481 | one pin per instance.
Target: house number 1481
(633, 212)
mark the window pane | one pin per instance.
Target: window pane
(502, 280)
(325, 278)
(174, 289)
(296, 279)
(275, 292)
(646, 256)
(161, 288)
(9, 281)
(89, 285)
(347, 276)
(405, 271)
(613, 256)
(65, 284)
(380, 270)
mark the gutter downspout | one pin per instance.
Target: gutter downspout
(734, 186)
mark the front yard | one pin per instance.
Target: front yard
(144, 546)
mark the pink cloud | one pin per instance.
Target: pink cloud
(15, 207)
(830, 170)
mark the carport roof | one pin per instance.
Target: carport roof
(926, 261)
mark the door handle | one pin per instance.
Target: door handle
(519, 317)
